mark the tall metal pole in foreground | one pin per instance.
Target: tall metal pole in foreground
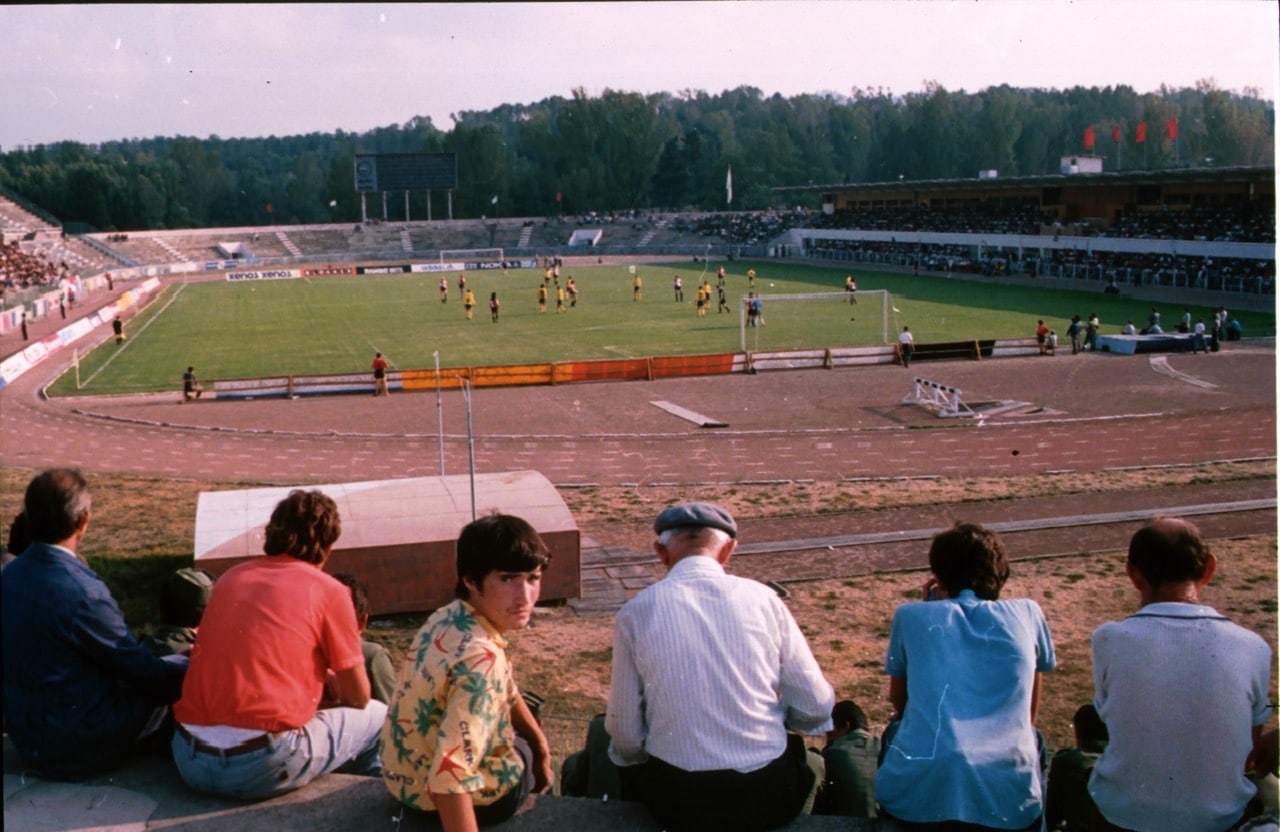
(471, 444)
(439, 412)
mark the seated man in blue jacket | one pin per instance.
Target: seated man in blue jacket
(80, 692)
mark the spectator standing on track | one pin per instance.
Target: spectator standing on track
(80, 692)
(964, 672)
(906, 346)
(1176, 657)
(1091, 332)
(1197, 338)
(379, 374)
(709, 672)
(277, 693)
(1075, 331)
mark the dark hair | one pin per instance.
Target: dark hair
(359, 595)
(968, 556)
(1091, 731)
(498, 543)
(847, 712)
(19, 535)
(1169, 550)
(305, 525)
(56, 503)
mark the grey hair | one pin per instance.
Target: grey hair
(702, 535)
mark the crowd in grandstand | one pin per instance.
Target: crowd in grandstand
(19, 270)
(744, 228)
(1233, 223)
(977, 219)
(1126, 269)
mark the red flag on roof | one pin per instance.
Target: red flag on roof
(1088, 138)
(1140, 132)
(1171, 129)
(1115, 134)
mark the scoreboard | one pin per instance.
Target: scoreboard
(406, 172)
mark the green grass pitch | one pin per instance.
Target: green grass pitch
(334, 324)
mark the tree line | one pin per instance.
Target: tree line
(620, 151)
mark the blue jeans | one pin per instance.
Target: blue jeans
(335, 739)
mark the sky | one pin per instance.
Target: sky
(100, 72)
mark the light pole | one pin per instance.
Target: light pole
(439, 412)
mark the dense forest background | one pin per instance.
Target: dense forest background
(624, 150)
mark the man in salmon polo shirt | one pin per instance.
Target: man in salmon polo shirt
(276, 694)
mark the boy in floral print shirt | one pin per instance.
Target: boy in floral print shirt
(459, 740)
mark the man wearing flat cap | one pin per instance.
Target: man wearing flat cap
(709, 673)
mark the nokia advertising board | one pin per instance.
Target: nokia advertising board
(406, 172)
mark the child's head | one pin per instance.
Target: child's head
(1091, 731)
(1169, 550)
(183, 597)
(846, 716)
(497, 543)
(969, 556)
(359, 596)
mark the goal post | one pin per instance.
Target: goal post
(472, 255)
(820, 319)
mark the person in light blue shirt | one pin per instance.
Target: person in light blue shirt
(964, 677)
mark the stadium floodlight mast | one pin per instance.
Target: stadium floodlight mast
(805, 304)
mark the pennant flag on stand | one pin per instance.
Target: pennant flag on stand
(1171, 129)
(728, 186)
(1088, 138)
(1140, 132)
(1115, 134)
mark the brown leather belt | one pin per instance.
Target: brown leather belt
(245, 747)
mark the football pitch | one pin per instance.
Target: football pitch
(335, 324)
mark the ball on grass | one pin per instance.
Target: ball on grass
(770, 285)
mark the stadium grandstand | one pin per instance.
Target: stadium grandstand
(1205, 229)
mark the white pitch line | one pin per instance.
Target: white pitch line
(129, 343)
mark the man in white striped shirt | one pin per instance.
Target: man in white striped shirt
(709, 673)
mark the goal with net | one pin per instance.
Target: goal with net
(821, 319)
(472, 255)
